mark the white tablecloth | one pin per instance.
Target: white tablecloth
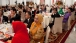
(6, 28)
(57, 27)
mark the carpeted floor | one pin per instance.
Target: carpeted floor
(63, 36)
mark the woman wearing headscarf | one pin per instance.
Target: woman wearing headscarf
(36, 30)
(21, 33)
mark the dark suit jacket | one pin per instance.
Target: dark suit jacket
(29, 23)
(5, 19)
(50, 10)
(16, 18)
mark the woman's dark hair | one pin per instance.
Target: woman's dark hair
(37, 7)
(70, 9)
(13, 8)
(20, 6)
(29, 13)
(3, 6)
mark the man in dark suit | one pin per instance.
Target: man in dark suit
(28, 19)
(13, 16)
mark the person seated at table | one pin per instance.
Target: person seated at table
(28, 19)
(20, 8)
(24, 9)
(21, 33)
(13, 16)
(52, 7)
(54, 15)
(36, 30)
(36, 11)
(72, 8)
(29, 9)
(65, 20)
(43, 9)
(2, 17)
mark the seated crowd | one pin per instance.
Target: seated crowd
(22, 17)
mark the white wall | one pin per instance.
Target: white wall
(0, 2)
(37, 1)
(19, 1)
(32, 1)
(69, 2)
(7, 2)
(4, 2)
(25, 2)
(48, 2)
(12, 2)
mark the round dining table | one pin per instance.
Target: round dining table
(6, 28)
